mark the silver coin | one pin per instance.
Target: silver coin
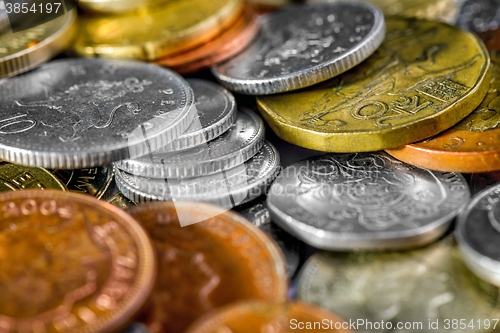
(479, 15)
(238, 144)
(478, 235)
(365, 201)
(228, 188)
(425, 290)
(216, 112)
(79, 113)
(256, 212)
(304, 45)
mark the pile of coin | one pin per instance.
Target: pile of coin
(375, 109)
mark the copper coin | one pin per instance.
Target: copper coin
(226, 45)
(252, 317)
(70, 263)
(472, 145)
(206, 265)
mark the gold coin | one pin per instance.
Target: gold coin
(157, 31)
(116, 6)
(70, 263)
(425, 77)
(93, 181)
(121, 201)
(16, 177)
(24, 50)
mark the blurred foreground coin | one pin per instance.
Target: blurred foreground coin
(365, 201)
(304, 45)
(70, 263)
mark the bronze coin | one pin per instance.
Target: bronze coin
(203, 266)
(252, 317)
(70, 263)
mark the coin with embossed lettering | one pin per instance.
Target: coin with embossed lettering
(70, 263)
(365, 201)
(479, 15)
(120, 201)
(238, 144)
(425, 77)
(17, 177)
(304, 45)
(94, 181)
(208, 264)
(26, 49)
(252, 317)
(83, 113)
(255, 211)
(412, 289)
(478, 234)
(473, 145)
(227, 188)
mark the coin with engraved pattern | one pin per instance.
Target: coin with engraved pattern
(157, 31)
(83, 113)
(479, 15)
(365, 201)
(304, 45)
(255, 211)
(424, 78)
(238, 144)
(17, 177)
(227, 188)
(120, 201)
(417, 289)
(24, 50)
(478, 234)
(205, 265)
(254, 317)
(70, 263)
(94, 181)
(471, 146)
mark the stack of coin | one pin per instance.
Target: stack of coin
(222, 158)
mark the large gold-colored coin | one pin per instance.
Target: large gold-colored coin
(116, 6)
(424, 78)
(472, 145)
(156, 32)
(15, 177)
(70, 263)
(24, 50)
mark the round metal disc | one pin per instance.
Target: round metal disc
(80, 113)
(228, 188)
(238, 144)
(304, 45)
(365, 201)
(478, 234)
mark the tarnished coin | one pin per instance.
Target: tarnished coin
(425, 78)
(473, 145)
(16, 177)
(227, 188)
(25, 50)
(82, 113)
(70, 263)
(203, 266)
(365, 201)
(93, 181)
(479, 15)
(238, 144)
(304, 45)
(427, 290)
(478, 234)
(251, 317)
(120, 201)
(157, 31)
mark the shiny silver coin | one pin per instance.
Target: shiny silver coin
(80, 113)
(255, 212)
(216, 112)
(243, 140)
(304, 45)
(365, 201)
(478, 234)
(228, 188)
(479, 15)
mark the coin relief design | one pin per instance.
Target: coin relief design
(15, 177)
(93, 181)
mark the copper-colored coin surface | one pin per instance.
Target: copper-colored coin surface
(253, 317)
(471, 146)
(70, 263)
(226, 45)
(208, 264)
